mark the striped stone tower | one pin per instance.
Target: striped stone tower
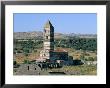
(48, 35)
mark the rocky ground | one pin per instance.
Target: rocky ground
(65, 70)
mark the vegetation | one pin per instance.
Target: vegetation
(15, 64)
(79, 48)
(81, 69)
(27, 46)
(27, 62)
(77, 70)
(84, 49)
(78, 43)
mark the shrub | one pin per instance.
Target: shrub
(15, 64)
(27, 62)
(91, 59)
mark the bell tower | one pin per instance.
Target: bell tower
(48, 38)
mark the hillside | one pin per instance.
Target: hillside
(39, 35)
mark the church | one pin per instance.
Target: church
(49, 53)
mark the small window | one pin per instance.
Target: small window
(28, 67)
(46, 37)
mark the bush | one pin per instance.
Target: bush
(35, 50)
(15, 64)
(91, 59)
(27, 62)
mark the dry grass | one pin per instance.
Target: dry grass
(32, 56)
(78, 70)
(72, 52)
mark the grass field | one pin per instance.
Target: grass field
(77, 70)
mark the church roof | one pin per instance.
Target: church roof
(48, 24)
(60, 50)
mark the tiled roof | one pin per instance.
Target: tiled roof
(58, 50)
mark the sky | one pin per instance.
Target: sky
(83, 23)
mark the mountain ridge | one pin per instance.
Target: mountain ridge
(39, 35)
